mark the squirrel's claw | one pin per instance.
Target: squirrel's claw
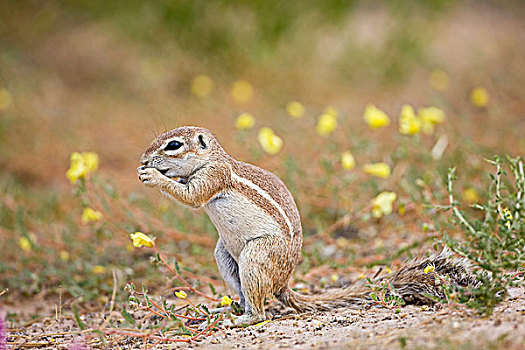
(149, 176)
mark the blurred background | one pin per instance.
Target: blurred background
(108, 76)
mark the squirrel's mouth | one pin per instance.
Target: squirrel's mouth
(168, 172)
(164, 172)
(180, 179)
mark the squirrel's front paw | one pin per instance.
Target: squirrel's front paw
(149, 176)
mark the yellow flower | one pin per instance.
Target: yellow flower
(25, 244)
(429, 117)
(201, 85)
(242, 91)
(388, 269)
(90, 215)
(361, 276)
(326, 124)
(270, 142)
(382, 204)
(348, 160)
(295, 109)
(226, 301)
(375, 117)
(470, 195)
(64, 255)
(99, 269)
(507, 216)
(77, 169)
(409, 124)
(401, 210)
(81, 164)
(181, 294)
(429, 268)
(438, 79)
(90, 161)
(265, 132)
(479, 97)
(334, 278)
(245, 121)
(5, 99)
(381, 170)
(140, 239)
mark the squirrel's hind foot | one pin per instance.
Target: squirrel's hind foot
(236, 321)
(244, 320)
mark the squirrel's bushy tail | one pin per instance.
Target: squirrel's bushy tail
(410, 282)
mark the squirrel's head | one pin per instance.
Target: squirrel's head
(182, 151)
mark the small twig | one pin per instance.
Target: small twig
(378, 272)
(498, 186)
(112, 302)
(114, 293)
(151, 310)
(197, 308)
(176, 289)
(440, 278)
(176, 315)
(189, 317)
(29, 345)
(58, 309)
(517, 274)
(157, 306)
(520, 179)
(455, 209)
(177, 275)
(147, 336)
(220, 317)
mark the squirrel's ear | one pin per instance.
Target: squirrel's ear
(202, 142)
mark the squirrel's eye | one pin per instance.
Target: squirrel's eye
(173, 145)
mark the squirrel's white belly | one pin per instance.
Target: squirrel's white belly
(239, 220)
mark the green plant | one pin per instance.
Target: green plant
(494, 242)
(166, 321)
(383, 294)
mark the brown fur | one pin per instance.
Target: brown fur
(265, 258)
(272, 185)
(410, 282)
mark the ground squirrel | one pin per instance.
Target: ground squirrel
(260, 234)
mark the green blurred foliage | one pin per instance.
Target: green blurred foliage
(232, 35)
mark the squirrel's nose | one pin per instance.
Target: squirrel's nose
(144, 160)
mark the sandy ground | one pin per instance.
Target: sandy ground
(373, 328)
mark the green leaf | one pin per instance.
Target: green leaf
(127, 316)
(80, 324)
(148, 302)
(205, 308)
(212, 288)
(100, 334)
